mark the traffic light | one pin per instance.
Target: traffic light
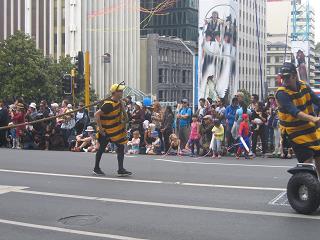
(79, 63)
(67, 84)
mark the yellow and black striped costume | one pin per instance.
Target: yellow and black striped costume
(112, 123)
(302, 133)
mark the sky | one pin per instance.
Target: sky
(316, 5)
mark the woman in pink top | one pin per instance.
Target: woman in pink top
(194, 138)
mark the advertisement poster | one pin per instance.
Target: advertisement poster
(218, 32)
(300, 54)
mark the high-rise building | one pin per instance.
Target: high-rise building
(180, 20)
(109, 30)
(111, 33)
(292, 23)
(166, 68)
(252, 46)
(52, 24)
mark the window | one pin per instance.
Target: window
(160, 95)
(184, 76)
(161, 75)
(277, 59)
(184, 94)
(268, 59)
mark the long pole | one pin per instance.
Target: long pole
(151, 76)
(87, 77)
(285, 51)
(259, 50)
(194, 73)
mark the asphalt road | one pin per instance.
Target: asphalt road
(53, 195)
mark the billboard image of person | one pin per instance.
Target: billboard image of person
(300, 53)
(218, 29)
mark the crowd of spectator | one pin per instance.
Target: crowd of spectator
(215, 129)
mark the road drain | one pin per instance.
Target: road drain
(280, 200)
(80, 220)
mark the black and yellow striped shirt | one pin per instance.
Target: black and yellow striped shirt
(300, 132)
(111, 121)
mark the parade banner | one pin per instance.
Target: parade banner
(218, 32)
(300, 51)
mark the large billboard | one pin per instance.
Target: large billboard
(218, 32)
(300, 51)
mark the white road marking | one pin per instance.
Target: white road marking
(7, 189)
(66, 230)
(176, 206)
(222, 164)
(144, 181)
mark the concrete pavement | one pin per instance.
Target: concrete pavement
(166, 198)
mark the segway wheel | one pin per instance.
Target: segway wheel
(303, 192)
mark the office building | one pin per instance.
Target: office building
(166, 68)
(179, 19)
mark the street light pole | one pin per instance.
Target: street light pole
(194, 74)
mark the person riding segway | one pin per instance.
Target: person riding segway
(298, 120)
(112, 128)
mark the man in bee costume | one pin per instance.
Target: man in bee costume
(111, 125)
(297, 116)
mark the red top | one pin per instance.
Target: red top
(244, 129)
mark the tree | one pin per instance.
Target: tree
(22, 69)
(247, 96)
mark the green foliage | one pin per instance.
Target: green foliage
(25, 72)
(247, 96)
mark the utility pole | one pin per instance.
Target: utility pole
(87, 78)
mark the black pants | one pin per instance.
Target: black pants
(3, 138)
(262, 133)
(166, 135)
(103, 141)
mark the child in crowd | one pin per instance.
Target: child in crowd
(134, 144)
(217, 135)
(155, 147)
(194, 137)
(244, 133)
(174, 145)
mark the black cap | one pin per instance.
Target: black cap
(287, 69)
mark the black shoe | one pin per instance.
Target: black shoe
(123, 173)
(98, 172)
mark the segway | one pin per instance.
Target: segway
(303, 189)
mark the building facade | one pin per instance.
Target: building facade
(166, 68)
(181, 20)
(108, 30)
(317, 70)
(252, 46)
(53, 24)
(111, 33)
(278, 53)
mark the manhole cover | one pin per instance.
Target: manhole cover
(280, 200)
(80, 220)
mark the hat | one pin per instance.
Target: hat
(20, 105)
(287, 69)
(245, 116)
(55, 105)
(117, 87)
(154, 134)
(207, 117)
(69, 105)
(139, 104)
(89, 129)
(271, 96)
(33, 105)
(145, 124)
(184, 100)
